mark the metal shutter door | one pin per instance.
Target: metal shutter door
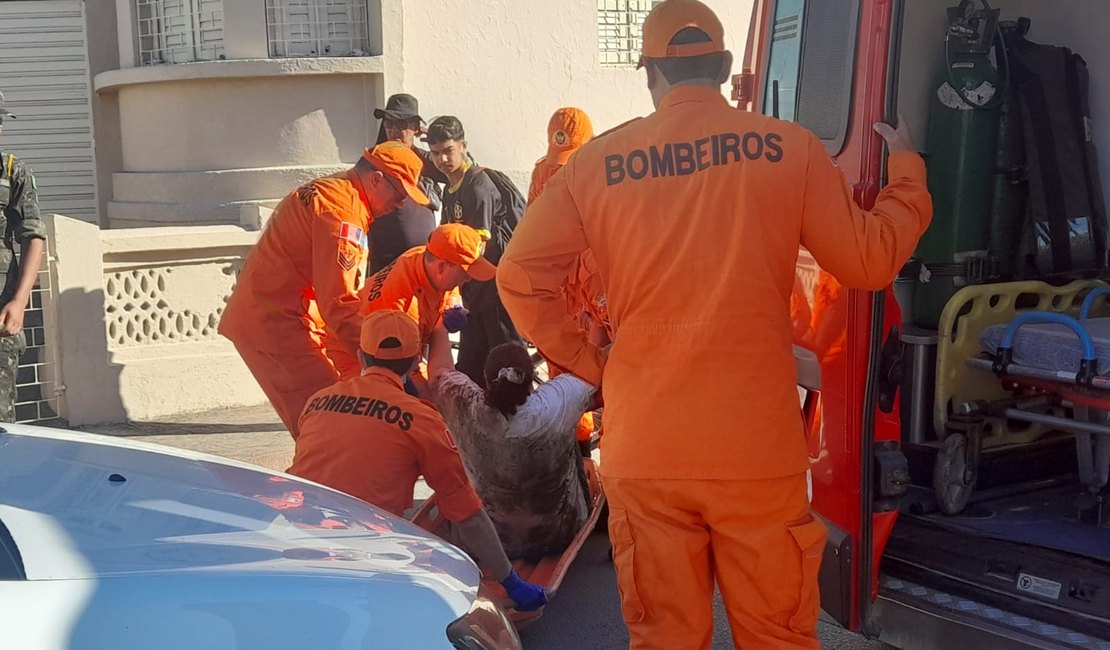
(44, 74)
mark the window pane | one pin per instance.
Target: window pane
(785, 59)
(825, 96)
(317, 28)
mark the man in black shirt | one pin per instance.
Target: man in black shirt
(411, 223)
(473, 198)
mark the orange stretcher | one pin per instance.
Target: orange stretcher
(549, 571)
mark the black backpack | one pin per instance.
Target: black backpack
(513, 202)
(1065, 224)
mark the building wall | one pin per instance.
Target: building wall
(100, 20)
(504, 67)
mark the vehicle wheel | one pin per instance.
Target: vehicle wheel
(953, 476)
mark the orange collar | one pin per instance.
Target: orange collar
(692, 93)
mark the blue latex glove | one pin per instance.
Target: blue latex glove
(455, 318)
(527, 596)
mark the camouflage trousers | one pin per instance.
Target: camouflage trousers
(11, 349)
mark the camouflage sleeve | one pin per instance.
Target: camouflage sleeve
(23, 210)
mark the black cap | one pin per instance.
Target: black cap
(400, 107)
(3, 111)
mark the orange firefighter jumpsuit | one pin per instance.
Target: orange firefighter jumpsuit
(404, 284)
(309, 258)
(704, 457)
(365, 436)
(568, 129)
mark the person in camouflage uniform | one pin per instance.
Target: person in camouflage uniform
(21, 223)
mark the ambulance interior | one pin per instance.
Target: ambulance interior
(1009, 463)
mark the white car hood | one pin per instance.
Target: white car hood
(86, 506)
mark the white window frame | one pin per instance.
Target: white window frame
(179, 31)
(317, 28)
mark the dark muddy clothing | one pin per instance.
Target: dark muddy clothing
(527, 469)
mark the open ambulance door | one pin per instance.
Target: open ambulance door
(824, 64)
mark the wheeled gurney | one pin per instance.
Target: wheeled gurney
(1015, 362)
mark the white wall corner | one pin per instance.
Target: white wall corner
(390, 42)
(125, 28)
(254, 217)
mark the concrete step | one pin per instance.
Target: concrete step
(144, 214)
(216, 186)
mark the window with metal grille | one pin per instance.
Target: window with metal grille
(620, 26)
(179, 31)
(317, 28)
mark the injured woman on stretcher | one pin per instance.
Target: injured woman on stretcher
(517, 444)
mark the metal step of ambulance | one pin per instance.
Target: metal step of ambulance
(1057, 587)
(910, 616)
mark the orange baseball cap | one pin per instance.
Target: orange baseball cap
(568, 129)
(396, 160)
(670, 18)
(460, 244)
(389, 335)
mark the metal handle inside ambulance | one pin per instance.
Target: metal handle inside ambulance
(1090, 300)
(1088, 364)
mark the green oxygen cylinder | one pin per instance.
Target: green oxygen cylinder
(961, 154)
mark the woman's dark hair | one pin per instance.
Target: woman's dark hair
(445, 128)
(507, 391)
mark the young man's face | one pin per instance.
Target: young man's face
(449, 155)
(402, 130)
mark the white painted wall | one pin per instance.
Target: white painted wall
(504, 67)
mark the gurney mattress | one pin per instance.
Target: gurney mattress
(1051, 346)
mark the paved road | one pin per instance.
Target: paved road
(585, 615)
(586, 612)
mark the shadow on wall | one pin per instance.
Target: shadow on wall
(92, 389)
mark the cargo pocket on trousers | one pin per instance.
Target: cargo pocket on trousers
(624, 552)
(810, 537)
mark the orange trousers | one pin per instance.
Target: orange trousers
(289, 379)
(757, 539)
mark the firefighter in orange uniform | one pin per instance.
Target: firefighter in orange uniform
(366, 437)
(706, 478)
(304, 273)
(568, 129)
(422, 281)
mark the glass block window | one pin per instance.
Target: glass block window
(620, 30)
